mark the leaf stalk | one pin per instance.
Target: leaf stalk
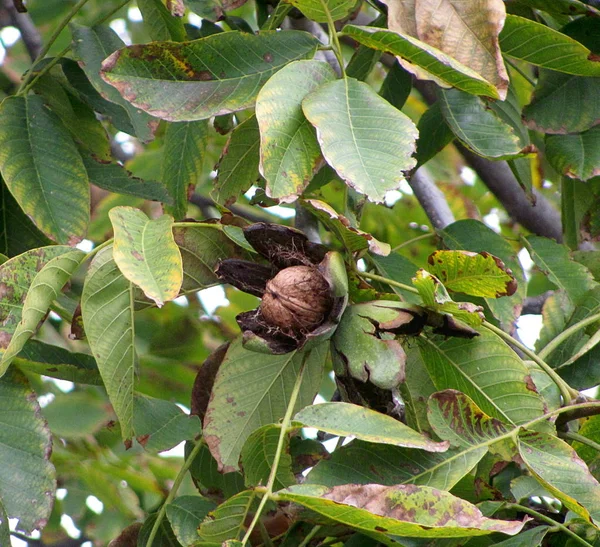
(176, 484)
(285, 424)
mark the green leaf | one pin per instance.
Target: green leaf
(27, 478)
(42, 168)
(378, 144)
(202, 246)
(362, 63)
(228, 519)
(562, 103)
(237, 169)
(17, 233)
(160, 425)
(472, 235)
(363, 463)
(164, 537)
(115, 178)
(184, 152)
(437, 134)
(77, 415)
(206, 476)
(213, 10)
(251, 390)
(396, 510)
(396, 86)
(91, 46)
(146, 253)
(107, 309)
(289, 151)
(435, 61)
(363, 351)
(353, 238)
(477, 274)
(398, 268)
(86, 130)
(317, 10)
(44, 289)
(16, 276)
(186, 513)
(85, 91)
(477, 126)
(196, 80)
(542, 46)
(560, 471)
(576, 156)
(554, 260)
(345, 419)
(258, 455)
(488, 371)
(456, 418)
(160, 23)
(4, 526)
(59, 363)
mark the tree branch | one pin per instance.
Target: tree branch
(541, 219)
(29, 33)
(431, 199)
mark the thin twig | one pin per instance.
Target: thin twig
(571, 436)
(562, 336)
(29, 33)
(176, 484)
(285, 424)
(548, 520)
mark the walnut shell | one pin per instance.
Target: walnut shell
(297, 298)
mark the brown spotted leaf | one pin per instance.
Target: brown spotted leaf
(398, 510)
(251, 390)
(196, 80)
(456, 418)
(476, 274)
(146, 253)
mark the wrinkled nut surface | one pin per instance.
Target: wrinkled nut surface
(297, 298)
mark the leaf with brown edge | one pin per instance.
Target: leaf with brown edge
(196, 80)
(353, 238)
(205, 380)
(398, 510)
(476, 274)
(466, 31)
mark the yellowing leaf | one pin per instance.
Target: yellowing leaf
(477, 274)
(290, 153)
(466, 31)
(146, 253)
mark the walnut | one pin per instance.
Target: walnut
(297, 298)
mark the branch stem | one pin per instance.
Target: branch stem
(548, 520)
(176, 484)
(285, 424)
(413, 240)
(571, 436)
(402, 286)
(72, 12)
(29, 80)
